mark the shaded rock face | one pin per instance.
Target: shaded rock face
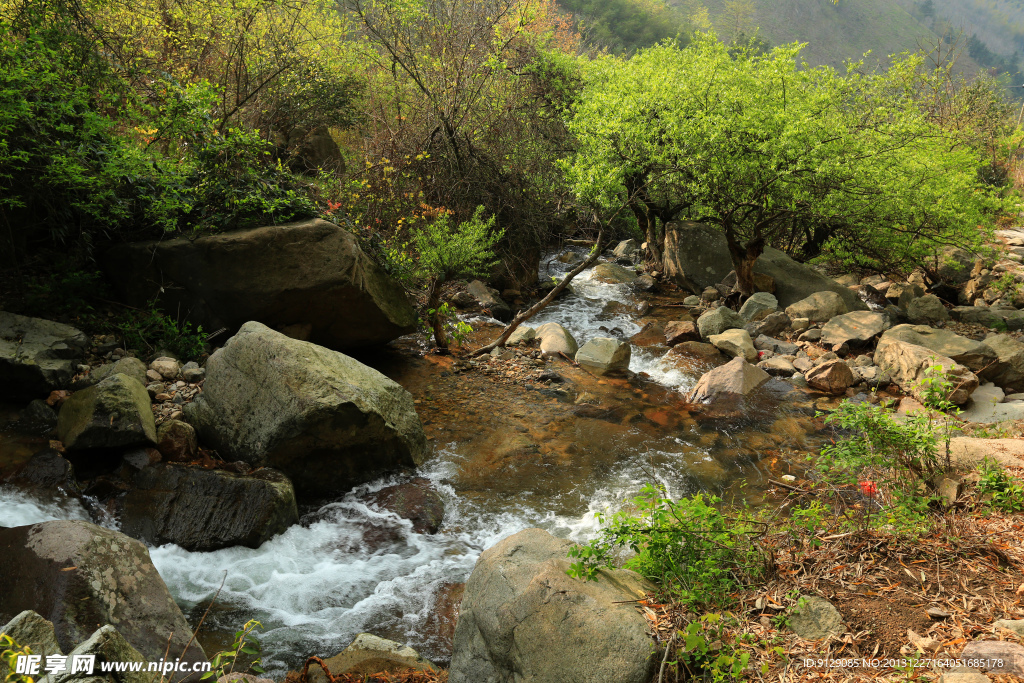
(697, 256)
(110, 581)
(973, 354)
(36, 356)
(301, 273)
(489, 300)
(326, 420)
(176, 441)
(1008, 369)
(114, 413)
(312, 150)
(207, 509)
(908, 364)
(524, 619)
(734, 379)
(604, 356)
(416, 501)
(47, 471)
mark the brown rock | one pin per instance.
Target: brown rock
(176, 441)
(651, 334)
(416, 501)
(833, 376)
(679, 331)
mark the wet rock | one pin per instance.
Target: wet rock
(555, 340)
(996, 656)
(489, 299)
(36, 356)
(758, 307)
(37, 417)
(324, 419)
(651, 334)
(521, 335)
(679, 331)
(736, 344)
(770, 326)
(833, 377)
(133, 367)
(519, 601)
(370, 654)
(858, 327)
(416, 501)
(783, 348)
(47, 471)
(1007, 370)
(625, 248)
(206, 510)
(114, 413)
(604, 355)
(77, 574)
(31, 630)
(968, 352)
(908, 364)
(717, 321)
(444, 615)
(735, 378)
(927, 310)
(613, 274)
(312, 273)
(815, 618)
(777, 367)
(644, 283)
(818, 307)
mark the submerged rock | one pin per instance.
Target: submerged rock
(324, 419)
(416, 501)
(613, 274)
(524, 618)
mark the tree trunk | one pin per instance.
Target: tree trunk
(743, 258)
(433, 312)
(542, 304)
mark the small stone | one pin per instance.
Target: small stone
(1015, 625)
(167, 367)
(815, 618)
(938, 613)
(691, 300)
(154, 376)
(812, 335)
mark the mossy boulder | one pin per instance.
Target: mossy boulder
(114, 413)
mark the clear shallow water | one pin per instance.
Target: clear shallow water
(349, 567)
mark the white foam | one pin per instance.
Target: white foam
(20, 508)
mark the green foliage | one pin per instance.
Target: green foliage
(626, 25)
(448, 252)
(697, 554)
(246, 643)
(152, 330)
(454, 329)
(704, 651)
(1006, 493)
(9, 653)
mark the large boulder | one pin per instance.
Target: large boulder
(759, 306)
(697, 256)
(858, 327)
(207, 509)
(625, 248)
(974, 354)
(908, 365)
(524, 619)
(114, 413)
(604, 356)
(324, 419)
(36, 356)
(613, 274)
(818, 307)
(555, 339)
(717, 321)
(78, 576)
(310, 273)
(1007, 371)
(490, 300)
(734, 379)
(735, 344)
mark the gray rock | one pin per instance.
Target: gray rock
(777, 367)
(523, 618)
(644, 283)
(370, 654)
(324, 419)
(604, 355)
(986, 407)
(873, 376)
(717, 321)
(77, 575)
(625, 248)
(555, 340)
(783, 348)
(996, 656)
(47, 471)
(489, 299)
(799, 324)
(192, 373)
(735, 378)
(613, 274)
(697, 256)
(114, 413)
(927, 310)
(968, 352)
(771, 325)
(204, 510)
(1007, 370)
(36, 356)
(1014, 625)
(759, 306)
(811, 335)
(818, 307)
(37, 417)
(735, 344)
(312, 272)
(133, 367)
(858, 327)
(168, 368)
(521, 335)
(31, 630)
(692, 300)
(976, 315)
(815, 618)
(106, 644)
(908, 364)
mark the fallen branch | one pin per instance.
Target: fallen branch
(542, 304)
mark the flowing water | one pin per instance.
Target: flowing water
(505, 459)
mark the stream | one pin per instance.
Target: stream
(506, 459)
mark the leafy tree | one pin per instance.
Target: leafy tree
(448, 252)
(773, 152)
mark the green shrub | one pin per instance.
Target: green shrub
(151, 330)
(1005, 493)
